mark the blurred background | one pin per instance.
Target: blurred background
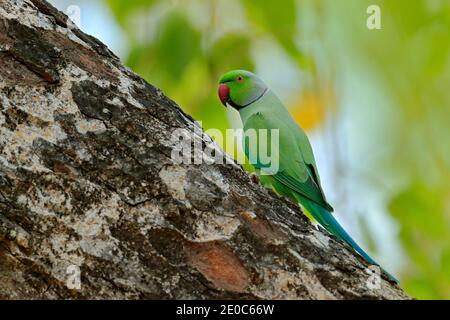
(375, 103)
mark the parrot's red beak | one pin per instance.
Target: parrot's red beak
(224, 93)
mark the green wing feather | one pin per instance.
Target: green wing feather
(293, 172)
(308, 189)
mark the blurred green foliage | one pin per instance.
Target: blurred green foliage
(183, 47)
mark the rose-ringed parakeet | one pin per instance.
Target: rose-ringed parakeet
(297, 176)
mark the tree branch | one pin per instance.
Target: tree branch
(86, 179)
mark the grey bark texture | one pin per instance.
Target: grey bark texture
(87, 181)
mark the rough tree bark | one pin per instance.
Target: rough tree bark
(86, 180)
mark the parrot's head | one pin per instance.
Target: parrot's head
(239, 88)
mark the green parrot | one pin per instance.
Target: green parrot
(297, 176)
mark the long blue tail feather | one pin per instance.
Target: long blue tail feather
(327, 220)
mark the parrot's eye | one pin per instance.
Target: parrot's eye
(240, 78)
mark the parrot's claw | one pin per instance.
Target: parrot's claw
(254, 178)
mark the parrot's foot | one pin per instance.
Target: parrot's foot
(254, 178)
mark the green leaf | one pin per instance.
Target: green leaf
(411, 205)
(280, 20)
(123, 10)
(231, 51)
(177, 45)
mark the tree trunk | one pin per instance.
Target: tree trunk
(88, 190)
